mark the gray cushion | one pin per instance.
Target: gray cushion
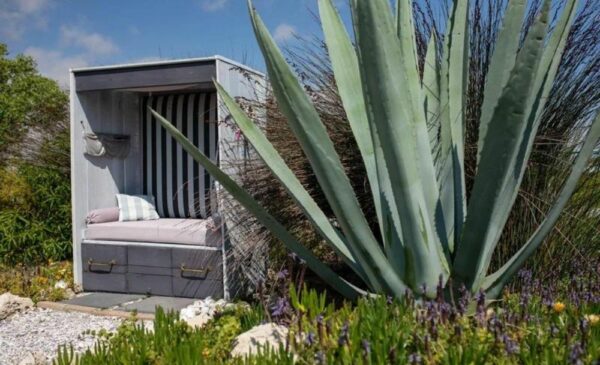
(103, 215)
(164, 230)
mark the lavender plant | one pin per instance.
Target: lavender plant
(417, 174)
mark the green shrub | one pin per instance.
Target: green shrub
(171, 342)
(539, 325)
(35, 215)
(37, 282)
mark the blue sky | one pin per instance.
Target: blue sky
(72, 33)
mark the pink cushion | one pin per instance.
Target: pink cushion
(103, 215)
(164, 230)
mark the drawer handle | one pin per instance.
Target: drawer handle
(109, 264)
(202, 271)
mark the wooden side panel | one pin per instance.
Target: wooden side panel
(96, 180)
(232, 151)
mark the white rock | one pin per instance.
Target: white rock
(61, 284)
(34, 358)
(10, 304)
(69, 294)
(199, 321)
(201, 311)
(270, 334)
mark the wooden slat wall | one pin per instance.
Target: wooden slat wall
(96, 180)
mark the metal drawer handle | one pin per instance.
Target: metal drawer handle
(203, 271)
(110, 264)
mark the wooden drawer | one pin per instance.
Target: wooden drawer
(197, 264)
(114, 283)
(197, 288)
(160, 270)
(149, 284)
(104, 259)
(149, 256)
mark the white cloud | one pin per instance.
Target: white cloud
(55, 64)
(284, 32)
(32, 6)
(213, 5)
(16, 16)
(93, 43)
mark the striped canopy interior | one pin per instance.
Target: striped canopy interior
(180, 186)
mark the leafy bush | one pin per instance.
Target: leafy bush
(27, 100)
(35, 215)
(171, 342)
(37, 282)
(541, 324)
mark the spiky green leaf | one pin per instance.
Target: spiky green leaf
(501, 64)
(347, 75)
(486, 214)
(389, 108)
(494, 283)
(304, 121)
(328, 275)
(284, 174)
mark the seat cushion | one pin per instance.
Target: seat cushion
(165, 230)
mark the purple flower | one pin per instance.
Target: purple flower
(320, 358)
(366, 346)
(310, 339)
(414, 358)
(280, 307)
(510, 346)
(424, 289)
(343, 339)
(576, 354)
(283, 274)
(319, 319)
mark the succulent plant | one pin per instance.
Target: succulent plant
(409, 129)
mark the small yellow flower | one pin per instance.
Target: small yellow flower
(558, 307)
(206, 352)
(593, 319)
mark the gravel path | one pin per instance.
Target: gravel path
(42, 331)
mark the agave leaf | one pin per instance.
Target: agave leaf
(444, 160)
(431, 92)
(543, 85)
(546, 73)
(406, 33)
(432, 106)
(347, 75)
(389, 110)
(413, 90)
(304, 121)
(495, 282)
(458, 61)
(284, 174)
(487, 214)
(328, 275)
(501, 64)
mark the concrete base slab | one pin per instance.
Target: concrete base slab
(148, 305)
(103, 300)
(120, 303)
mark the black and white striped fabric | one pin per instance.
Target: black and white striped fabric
(181, 187)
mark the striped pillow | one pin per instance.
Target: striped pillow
(136, 208)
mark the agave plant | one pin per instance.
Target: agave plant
(409, 129)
